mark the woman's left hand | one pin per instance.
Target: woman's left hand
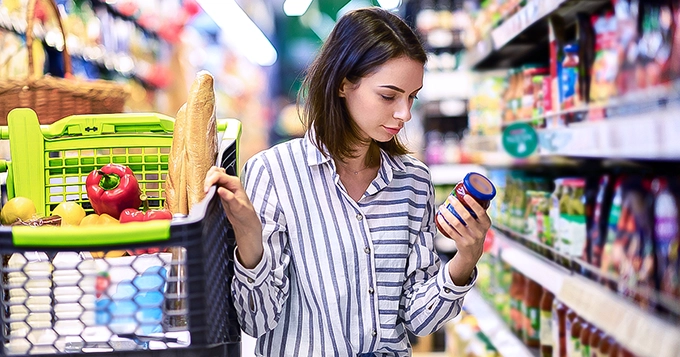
(469, 236)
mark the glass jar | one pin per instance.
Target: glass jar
(478, 187)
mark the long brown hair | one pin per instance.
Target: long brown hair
(361, 41)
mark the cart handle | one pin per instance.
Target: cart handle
(95, 236)
(89, 125)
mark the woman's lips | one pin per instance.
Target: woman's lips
(393, 131)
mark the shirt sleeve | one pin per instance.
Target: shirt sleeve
(430, 297)
(260, 293)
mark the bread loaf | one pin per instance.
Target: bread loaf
(201, 135)
(175, 184)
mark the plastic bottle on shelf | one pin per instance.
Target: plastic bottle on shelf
(666, 240)
(585, 338)
(596, 337)
(614, 349)
(569, 81)
(531, 313)
(516, 303)
(606, 343)
(554, 212)
(546, 333)
(573, 334)
(559, 318)
(608, 264)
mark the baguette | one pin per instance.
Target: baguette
(201, 135)
(175, 185)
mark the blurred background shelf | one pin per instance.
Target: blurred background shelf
(493, 326)
(610, 312)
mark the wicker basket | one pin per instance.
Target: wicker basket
(54, 98)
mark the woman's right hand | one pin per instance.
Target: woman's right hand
(241, 214)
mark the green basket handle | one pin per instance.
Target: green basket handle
(99, 124)
(90, 125)
(91, 236)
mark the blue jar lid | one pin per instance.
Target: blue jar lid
(479, 186)
(571, 48)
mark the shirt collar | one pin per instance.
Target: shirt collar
(316, 157)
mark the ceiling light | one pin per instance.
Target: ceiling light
(296, 7)
(240, 31)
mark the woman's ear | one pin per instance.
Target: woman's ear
(344, 87)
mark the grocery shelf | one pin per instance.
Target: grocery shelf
(472, 57)
(647, 135)
(538, 268)
(524, 35)
(642, 332)
(495, 328)
(531, 13)
(117, 62)
(112, 9)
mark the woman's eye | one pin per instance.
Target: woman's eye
(387, 97)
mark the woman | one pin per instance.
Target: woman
(335, 230)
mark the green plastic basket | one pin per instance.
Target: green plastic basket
(50, 163)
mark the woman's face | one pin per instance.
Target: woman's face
(380, 103)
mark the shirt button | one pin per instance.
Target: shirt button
(447, 290)
(374, 333)
(370, 290)
(359, 217)
(250, 280)
(367, 250)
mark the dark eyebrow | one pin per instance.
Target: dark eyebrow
(395, 88)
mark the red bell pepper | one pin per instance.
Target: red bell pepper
(145, 214)
(112, 189)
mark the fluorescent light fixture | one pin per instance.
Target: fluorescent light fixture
(389, 4)
(240, 31)
(296, 7)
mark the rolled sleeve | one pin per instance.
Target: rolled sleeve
(448, 290)
(254, 277)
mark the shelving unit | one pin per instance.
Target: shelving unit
(643, 333)
(491, 324)
(519, 37)
(118, 62)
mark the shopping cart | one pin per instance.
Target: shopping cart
(89, 290)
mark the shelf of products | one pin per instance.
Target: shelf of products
(586, 219)
(518, 30)
(493, 326)
(102, 41)
(611, 313)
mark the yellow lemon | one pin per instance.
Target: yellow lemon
(17, 208)
(70, 212)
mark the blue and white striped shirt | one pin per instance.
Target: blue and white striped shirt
(337, 277)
